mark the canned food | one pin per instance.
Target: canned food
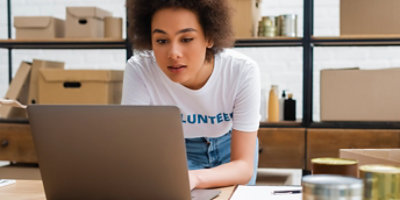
(339, 166)
(381, 182)
(269, 25)
(331, 187)
(288, 25)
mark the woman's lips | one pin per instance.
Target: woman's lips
(176, 69)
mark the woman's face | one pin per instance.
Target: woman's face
(179, 46)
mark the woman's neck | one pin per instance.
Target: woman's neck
(202, 77)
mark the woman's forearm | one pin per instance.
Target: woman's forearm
(238, 171)
(232, 173)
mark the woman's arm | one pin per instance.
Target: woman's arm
(243, 143)
(238, 171)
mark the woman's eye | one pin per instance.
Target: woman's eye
(161, 41)
(187, 39)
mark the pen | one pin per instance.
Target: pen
(286, 192)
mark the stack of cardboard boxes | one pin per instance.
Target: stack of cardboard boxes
(47, 82)
(81, 22)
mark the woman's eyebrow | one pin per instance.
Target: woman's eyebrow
(186, 30)
(159, 31)
(180, 31)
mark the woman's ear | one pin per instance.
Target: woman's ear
(210, 44)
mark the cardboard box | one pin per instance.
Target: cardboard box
(372, 156)
(360, 95)
(80, 86)
(18, 90)
(85, 22)
(245, 17)
(33, 86)
(38, 27)
(369, 17)
(113, 27)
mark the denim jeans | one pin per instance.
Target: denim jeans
(207, 152)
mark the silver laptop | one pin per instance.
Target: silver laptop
(111, 152)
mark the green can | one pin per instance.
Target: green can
(268, 26)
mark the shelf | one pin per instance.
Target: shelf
(268, 41)
(356, 125)
(283, 124)
(293, 124)
(333, 125)
(67, 43)
(14, 121)
(357, 40)
(64, 43)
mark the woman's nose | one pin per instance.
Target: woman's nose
(175, 52)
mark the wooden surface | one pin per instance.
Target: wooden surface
(327, 142)
(281, 147)
(226, 193)
(16, 143)
(23, 190)
(33, 190)
(20, 171)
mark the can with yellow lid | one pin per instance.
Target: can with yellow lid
(339, 166)
(381, 182)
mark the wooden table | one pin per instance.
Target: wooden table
(33, 190)
(23, 190)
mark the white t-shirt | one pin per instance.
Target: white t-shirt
(229, 100)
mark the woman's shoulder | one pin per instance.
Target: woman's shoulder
(141, 60)
(235, 60)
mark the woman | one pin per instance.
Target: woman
(216, 90)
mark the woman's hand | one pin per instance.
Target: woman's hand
(193, 179)
(238, 171)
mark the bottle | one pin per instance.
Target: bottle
(273, 104)
(281, 105)
(290, 108)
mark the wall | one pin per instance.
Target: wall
(279, 65)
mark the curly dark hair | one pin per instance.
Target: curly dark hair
(214, 17)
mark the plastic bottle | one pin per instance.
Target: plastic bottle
(273, 104)
(290, 108)
(282, 105)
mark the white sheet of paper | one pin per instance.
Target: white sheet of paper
(13, 103)
(244, 192)
(4, 182)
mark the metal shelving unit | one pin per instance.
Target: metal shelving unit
(269, 42)
(362, 40)
(307, 42)
(63, 44)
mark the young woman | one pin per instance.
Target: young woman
(183, 63)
